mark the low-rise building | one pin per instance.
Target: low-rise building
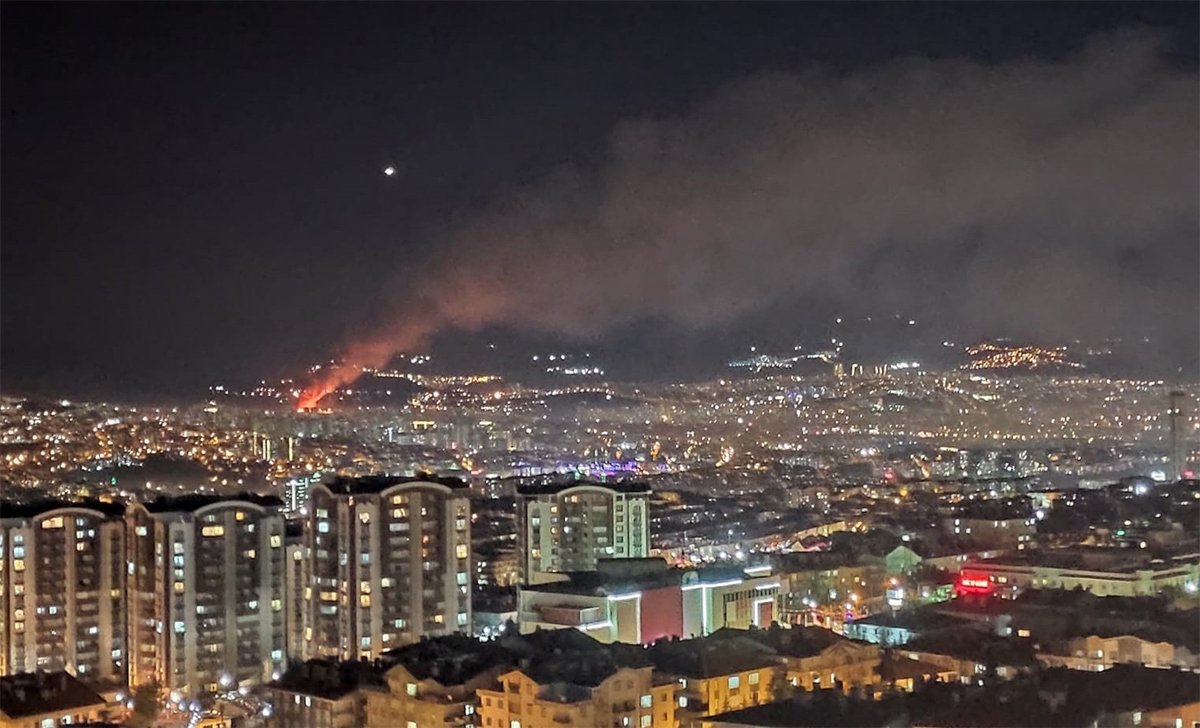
(323, 693)
(892, 629)
(818, 659)
(1102, 571)
(1096, 652)
(724, 671)
(569, 679)
(638, 601)
(48, 700)
(433, 683)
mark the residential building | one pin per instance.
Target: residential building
(62, 590)
(323, 694)
(570, 527)
(390, 564)
(569, 679)
(722, 672)
(1096, 653)
(297, 565)
(48, 700)
(206, 592)
(433, 683)
(818, 659)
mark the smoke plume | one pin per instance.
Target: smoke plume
(1051, 196)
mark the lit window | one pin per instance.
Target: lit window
(276, 541)
(735, 682)
(364, 517)
(240, 515)
(411, 689)
(754, 678)
(55, 522)
(647, 701)
(460, 551)
(213, 531)
(18, 564)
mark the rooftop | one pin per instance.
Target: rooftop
(621, 486)
(820, 709)
(32, 509)
(721, 653)
(917, 620)
(1091, 558)
(342, 485)
(189, 503)
(329, 679)
(33, 693)
(794, 642)
(1055, 697)
(450, 660)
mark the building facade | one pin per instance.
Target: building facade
(627, 696)
(297, 564)
(569, 527)
(206, 592)
(390, 564)
(62, 587)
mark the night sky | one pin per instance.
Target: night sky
(194, 194)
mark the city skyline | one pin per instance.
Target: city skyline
(660, 365)
(670, 196)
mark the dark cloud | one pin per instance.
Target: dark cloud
(1035, 198)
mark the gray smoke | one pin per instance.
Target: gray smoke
(1047, 198)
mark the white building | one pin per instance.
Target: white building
(390, 564)
(206, 592)
(569, 527)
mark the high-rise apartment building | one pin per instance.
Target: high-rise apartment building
(206, 592)
(568, 527)
(295, 582)
(1180, 446)
(390, 563)
(62, 590)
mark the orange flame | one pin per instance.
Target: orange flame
(370, 353)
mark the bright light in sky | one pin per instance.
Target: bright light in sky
(389, 170)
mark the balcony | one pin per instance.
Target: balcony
(569, 616)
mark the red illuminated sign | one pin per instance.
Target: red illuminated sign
(973, 582)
